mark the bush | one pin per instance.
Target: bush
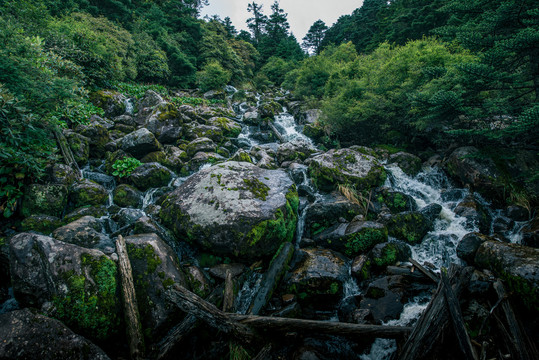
(213, 76)
(125, 166)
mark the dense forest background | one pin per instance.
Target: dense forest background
(405, 73)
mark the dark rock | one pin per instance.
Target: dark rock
(155, 269)
(127, 196)
(476, 215)
(410, 164)
(409, 226)
(112, 157)
(98, 137)
(47, 199)
(27, 335)
(530, 233)
(518, 265)
(85, 232)
(468, 246)
(395, 201)
(80, 146)
(228, 127)
(164, 117)
(517, 213)
(431, 212)
(356, 166)
(361, 267)
(139, 143)
(80, 283)
(201, 144)
(234, 209)
(86, 192)
(389, 253)
(384, 298)
(202, 158)
(198, 281)
(453, 195)
(126, 120)
(44, 224)
(63, 174)
(127, 216)
(297, 149)
(319, 276)
(111, 101)
(151, 175)
(95, 211)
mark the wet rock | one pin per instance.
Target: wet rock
(80, 146)
(150, 175)
(44, 224)
(105, 180)
(80, 283)
(85, 232)
(431, 212)
(86, 192)
(194, 131)
(146, 105)
(517, 265)
(145, 225)
(126, 120)
(63, 174)
(139, 143)
(384, 298)
(409, 226)
(28, 335)
(111, 158)
(530, 233)
(202, 158)
(297, 149)
(98, 137)
(355, 166)
(155, 269)
(327, 211)
(268, 109)
(502, 225)
(476, 215)
(228, 127)
(319, 276)
(350, 312)
(471, 168)
(46, 199)
(201, 144)
(111, 101)
(409, 163)
(127, 216)
(389, 253)
(292, 310)
(468, 246)
(361, 267)
(453, 195)
(517, 213)
(164, 117)
(234, 209)
(127, 196)
(170, 134)
(264, 160)
(251, 118)
(172, 158)
(395, 201)
(95, 211)
(352, 238)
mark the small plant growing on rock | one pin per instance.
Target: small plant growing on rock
(125, 166)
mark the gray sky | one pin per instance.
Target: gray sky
(301, 13)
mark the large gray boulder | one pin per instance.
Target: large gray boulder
(139, 143)
(27, 335)
(409, 163)
(87, 192)
(111, 101)
(46, 199)
(234, 209)
(79, 283)
(85, 232)
(150, 175)
(356, 166)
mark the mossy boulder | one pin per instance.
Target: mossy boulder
(79, 145)
(517, 265)
(94, 211)
(85, 232)
(155, 269)
(355, 166)
(229, 127)
(46, 199)
(297, 149)
(395, 201)
(202, 158)
(80, 283)
(234, 209)
(269, 109)
(150, 175)
(127, 196)
(26, 334)
(241, 156)
(62, 174)
(409, 163)
(111, 101)
(476, 214)
(314, 131)
(389, 253)
(44, 224)
(385, 298)
(319, 277)
(203, 144)
(87, 192)
(469, 244)
(139, 143)
(409, 226)
(98, 138)
(164, 117)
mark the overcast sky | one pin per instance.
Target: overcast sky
(301, 13)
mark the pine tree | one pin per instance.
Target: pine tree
(257, 23)
(314, 36)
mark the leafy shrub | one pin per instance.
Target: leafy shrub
(138, 90)
(125, 166)
(213, 76)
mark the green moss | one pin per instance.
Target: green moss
(293, 199)
(334, 288)
(364, 240)
(387, 257)
(90, 306)
(207, 260)
(168, 282)
(375, 293)
(257, 188)
(410, 227)
(146, 253)
(2, 241)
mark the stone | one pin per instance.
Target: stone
(86, 192)
(202, 144)
(63, 174)
(297, 149)
(384, 298)
(530, 233)
(44, 224)
(79, 145)
(198, 281)
(111, 101)
(319, 276)
(355, 166)
(127, 196)
(234, 209)
(155, 269)
(389, 253)
(409, 226)
(150, 175)
(95, 211)
(219, 271)
(395, 201)
(80, 283)
(139, 143)
(476, 215)
(98, 137)
(85, 232)
(517, 265)
(28, 335)
(45, 199)
(164, 117)
(228, 127)
(409, 163)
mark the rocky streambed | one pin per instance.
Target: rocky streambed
(234, 203)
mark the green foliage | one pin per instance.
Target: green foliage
(276, 69)
(315, 35)
(125, 166)
(213, 76)
(138, 90)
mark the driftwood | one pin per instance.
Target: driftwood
(518, 338)
(228, 296)
(457, 320)
(435, 317)
(424, 270)
(67, 153)
(132, 319)
(271, 278)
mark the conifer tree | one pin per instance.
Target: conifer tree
(315, 35)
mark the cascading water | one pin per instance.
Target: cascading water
(289, 130)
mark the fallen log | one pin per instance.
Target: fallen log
(424, 270)
(67, 153)
(271, 278)
(518, 339)
(435, 318)
(228, 296)
(132, 318)
(456, 318)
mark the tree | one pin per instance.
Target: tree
(257, 23)
(314, 36)
(229, 27)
